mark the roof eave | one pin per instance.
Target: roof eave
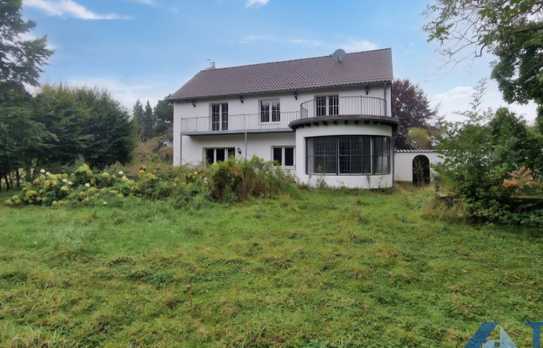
(281, 91)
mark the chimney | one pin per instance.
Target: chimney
(211, 64)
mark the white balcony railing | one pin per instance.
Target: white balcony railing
(238, 122)
(345, 106)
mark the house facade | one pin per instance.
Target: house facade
(325, 119)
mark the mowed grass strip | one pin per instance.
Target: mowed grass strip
(322, 269)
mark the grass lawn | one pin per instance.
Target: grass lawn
(325, 269)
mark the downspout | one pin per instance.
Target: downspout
(245, 135)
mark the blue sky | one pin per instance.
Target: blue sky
(146, 49)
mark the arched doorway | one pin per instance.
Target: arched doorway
(421, 170)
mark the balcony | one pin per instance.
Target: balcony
(314, 111)
(356, 109)
(236, 124)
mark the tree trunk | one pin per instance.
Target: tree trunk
(18, 178)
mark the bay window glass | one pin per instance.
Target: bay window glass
(348, 154)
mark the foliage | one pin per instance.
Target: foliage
(325, 268)
(87, 123)
(163, 114)
(412, 108)
(511, 30)
(483, 153)
(153, 122)
(21, 59)
(224, 182)
(419, 138)
(235, 180)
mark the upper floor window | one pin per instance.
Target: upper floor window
(219, 116)
(270, 110)
(327, 105)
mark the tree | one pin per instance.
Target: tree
(510, 29)
(148, 123)
(137, 117)
(412, 108)
(21, 59)
(539, 120)
(163, 114)
(87, 123)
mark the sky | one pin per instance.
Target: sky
(147, 49)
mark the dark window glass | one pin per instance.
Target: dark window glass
(210, 156)
(264, 111)
(289, 156)
(215, 116)
(231, 152)
(325, 155)
(350, 154)
(366, 154)
(220, 154)
(381, 155)
(333, 105)
(320, 105)
(276, 111)
(278, 155)
(224, 114)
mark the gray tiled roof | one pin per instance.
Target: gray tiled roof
(291, 75)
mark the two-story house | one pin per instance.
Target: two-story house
(325, 118)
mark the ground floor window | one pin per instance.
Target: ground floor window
(283, 155)
(219, 154)
(348, 155)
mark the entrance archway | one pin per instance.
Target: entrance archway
(421, 170)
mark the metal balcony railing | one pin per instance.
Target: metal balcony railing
(327, 106)
(320, 107)
(238, 122)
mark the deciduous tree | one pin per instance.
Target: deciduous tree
(512, 30)
(412, 108)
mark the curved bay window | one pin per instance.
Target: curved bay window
(348, 155)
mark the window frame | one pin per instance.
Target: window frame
(223, 119)
(270, 110)
(228, 152)
(328, 106)
(310, 158)
(283, 157)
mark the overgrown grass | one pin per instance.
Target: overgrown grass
(323, 269)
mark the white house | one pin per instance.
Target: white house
(324, 118)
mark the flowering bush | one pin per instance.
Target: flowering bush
(232, 180)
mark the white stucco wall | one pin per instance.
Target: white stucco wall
(184, 147)
(403, 162)
(351, 181)
(259, 145)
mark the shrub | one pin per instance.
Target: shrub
(237, 180)
(186, 187)
(488, 162)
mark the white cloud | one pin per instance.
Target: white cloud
(458, 99)
(355, 45)
(69, 8)
(256, 3)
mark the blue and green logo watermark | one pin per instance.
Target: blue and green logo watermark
(481, 338)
